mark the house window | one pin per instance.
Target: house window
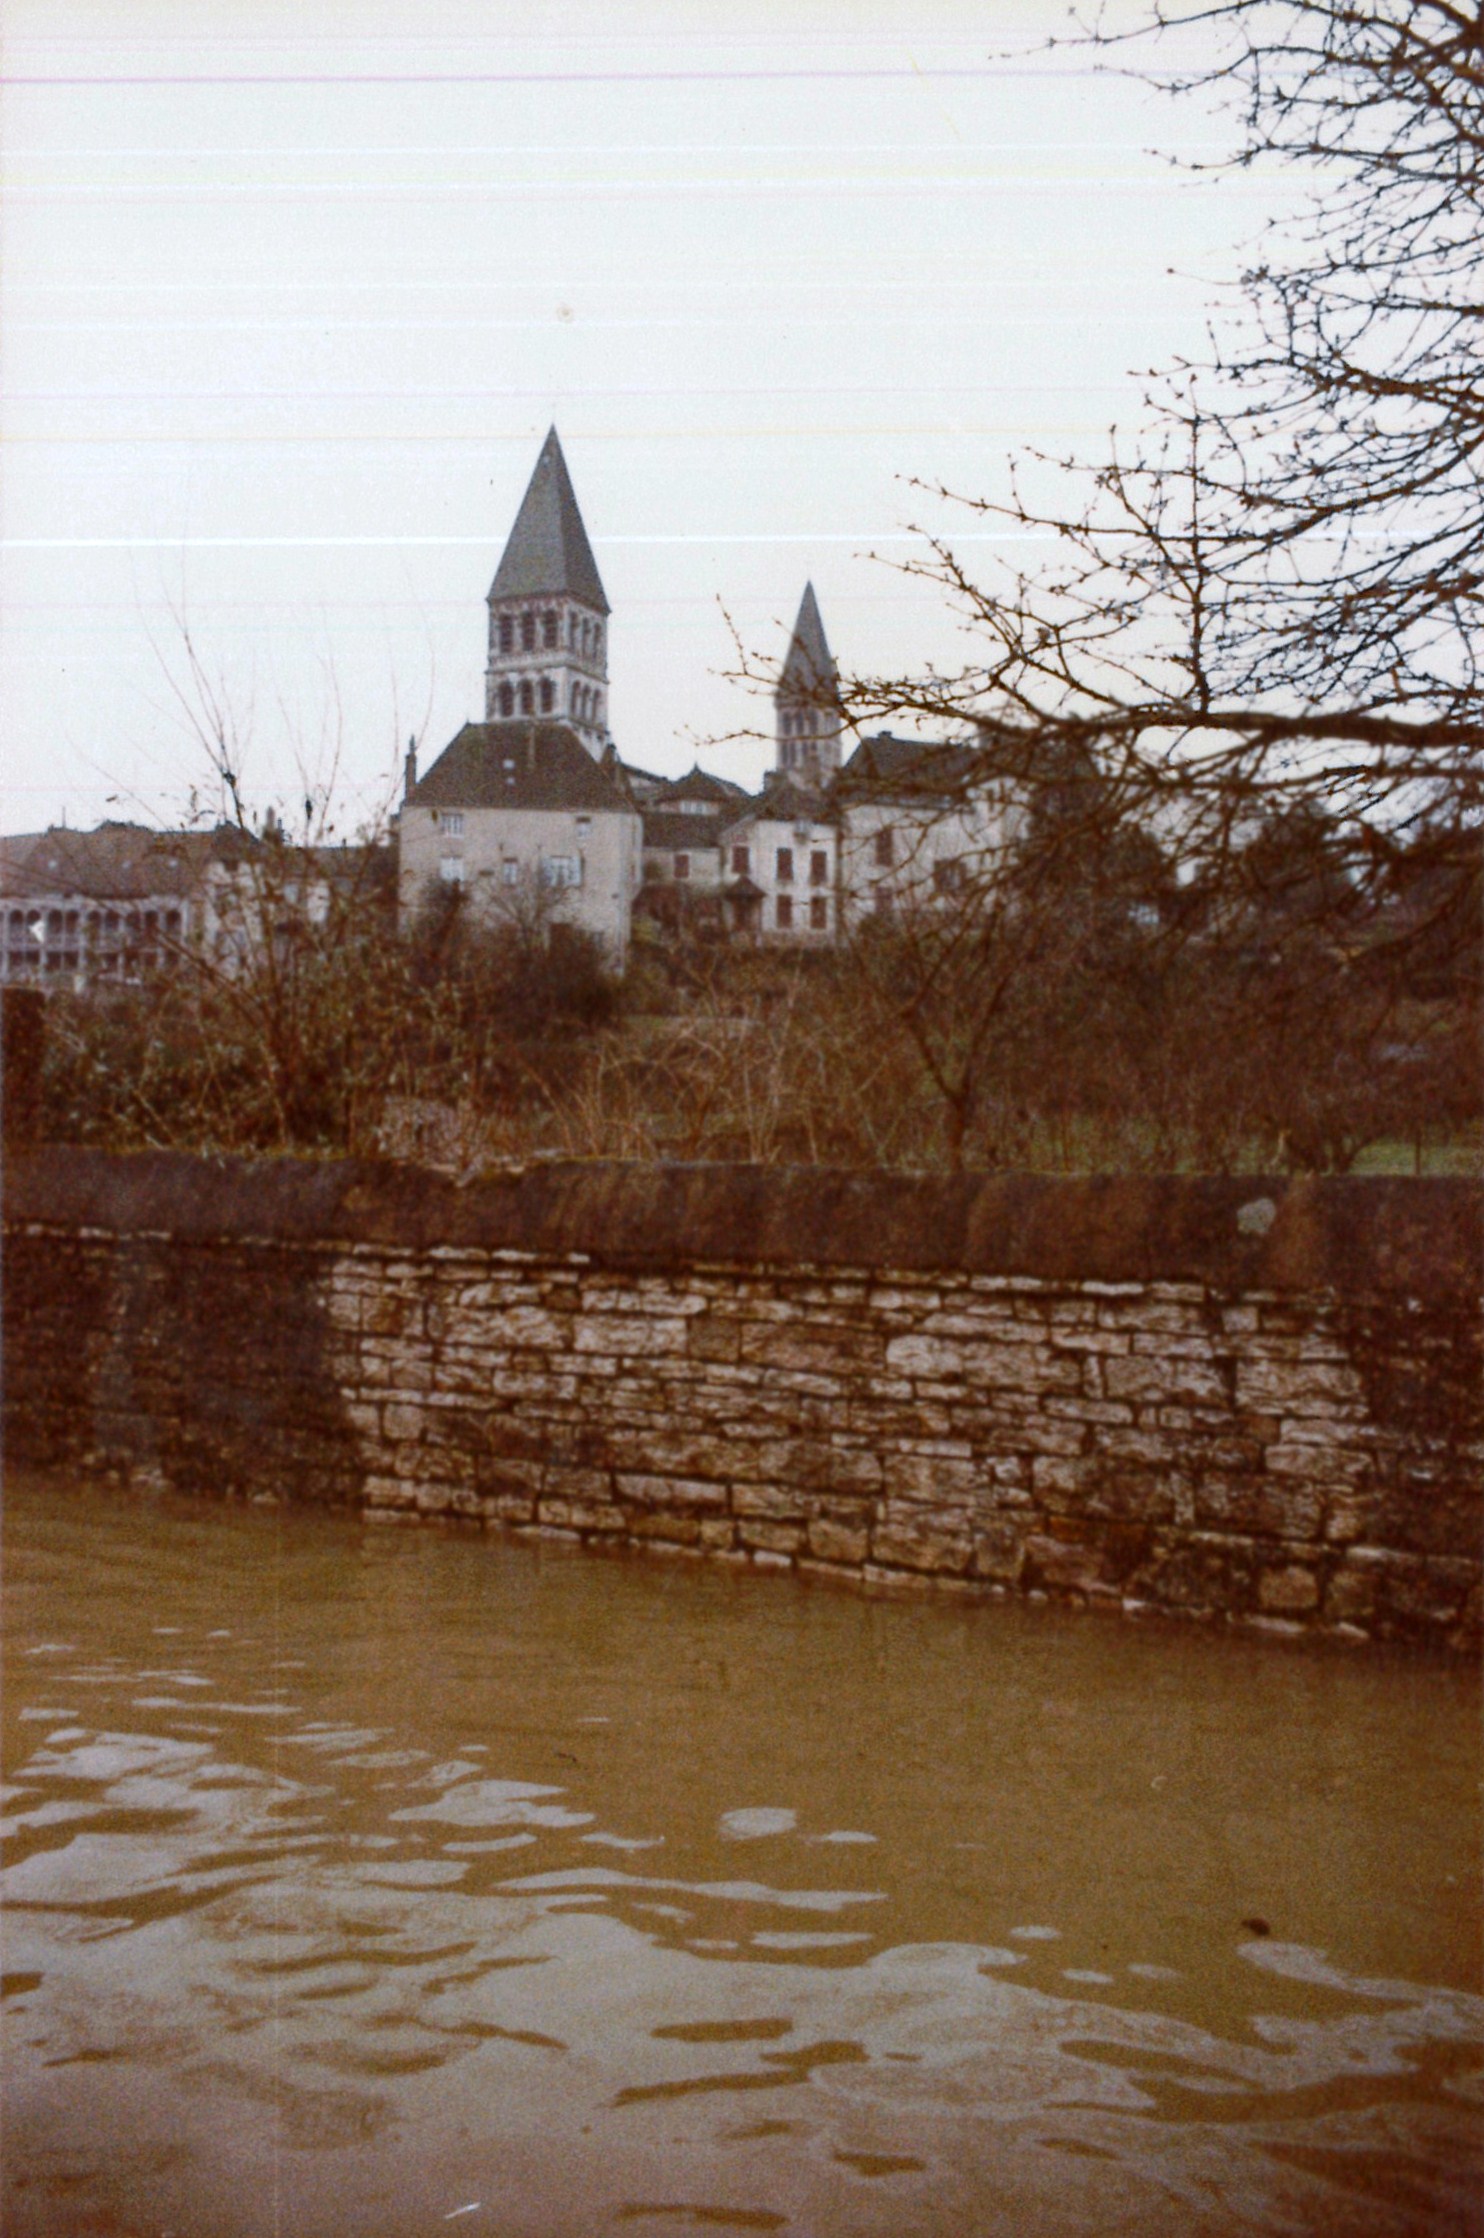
(510, 872)
(452, 821)
(785, 918)
(548, 630)
(451, 870)
(507, 634)
(561, 870)
(682, 866)
(819, 913)
(885, 848)
(948, 878)
(548, 695)
(819, 868)
(741, 862)
(785, 866)
(528, 633)
(882, 899)
(507, 700)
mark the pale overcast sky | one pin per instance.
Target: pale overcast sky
(287, 308)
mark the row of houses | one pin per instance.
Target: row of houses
(534, 806)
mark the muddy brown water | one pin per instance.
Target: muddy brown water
(369, 1882)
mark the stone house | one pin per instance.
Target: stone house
(520, 816)
(919, 823)
(781, 858)
(121, 903)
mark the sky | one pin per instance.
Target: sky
(289, 295)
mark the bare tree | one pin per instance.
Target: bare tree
(1274, 590)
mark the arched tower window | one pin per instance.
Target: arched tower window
(527, 697)
(507, 699)
(549, 629)
(548, 695)
(507, 634)
(528, 633)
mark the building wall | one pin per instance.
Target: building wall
(605, 843)
(765, 837)
(973, 834)
(1245, 1401)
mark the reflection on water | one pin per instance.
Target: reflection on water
(363, 1882)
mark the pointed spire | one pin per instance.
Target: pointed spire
(548, 549)
(809, 667)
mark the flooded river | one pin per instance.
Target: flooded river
(368, 1882)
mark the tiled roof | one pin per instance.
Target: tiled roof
(548, 550)
(518, 765)
(116, 862)
(699, 784)
(675, 830)
(907, 769)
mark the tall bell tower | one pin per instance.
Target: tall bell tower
(548, 630)
(807, 702)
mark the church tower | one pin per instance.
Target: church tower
(807, 701)
(548, 642)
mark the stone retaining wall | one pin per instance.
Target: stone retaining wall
(1251, 1400)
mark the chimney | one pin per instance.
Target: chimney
(409, 768)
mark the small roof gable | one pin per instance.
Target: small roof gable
(906, 769)
(809, 665)
(519, 765)
(699, 784)
(548, 550)
(679, 833)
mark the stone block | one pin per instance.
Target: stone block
(902, 1546)
(999, 1552)
(928, 1477)
(776, 1538)
(628, 1336)
(1062, 1565)
(710, 1338)
(582, 1515)
(678, 1530)
(1289, 1591)
(778, 1502)
(658, 1492)
(833, 1540)
(816, 1353)
(1159, 1379)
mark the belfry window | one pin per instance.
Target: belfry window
(507, 699)
(507, 634)
(548, 695)
(527, 696)
(549, 629)
(528, 633)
